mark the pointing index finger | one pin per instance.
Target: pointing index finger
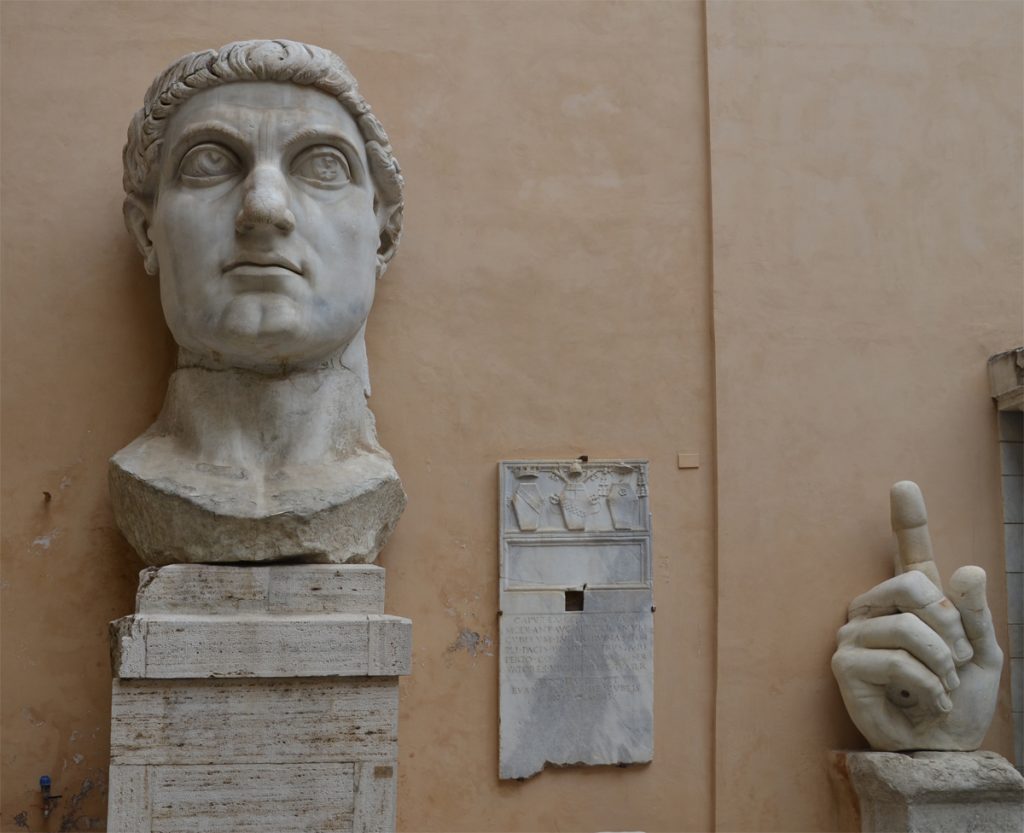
(910, 523)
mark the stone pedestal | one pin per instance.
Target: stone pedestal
(959, 792)
(256, 699)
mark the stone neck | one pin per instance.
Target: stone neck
(258, 422)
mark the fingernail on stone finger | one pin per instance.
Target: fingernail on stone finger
(945, 703)
(952, 680)
(962, 650)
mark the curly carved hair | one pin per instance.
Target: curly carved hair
(263, 60)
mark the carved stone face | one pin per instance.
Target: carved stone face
(263, 226)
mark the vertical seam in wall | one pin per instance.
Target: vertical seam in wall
(713, 372)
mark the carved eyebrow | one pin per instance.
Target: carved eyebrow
(205, 130)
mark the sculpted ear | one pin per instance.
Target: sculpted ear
(137, 216)
(389, 220)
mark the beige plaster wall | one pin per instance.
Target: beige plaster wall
(551, 297)
(866, 180)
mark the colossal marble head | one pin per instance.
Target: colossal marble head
(264, 193)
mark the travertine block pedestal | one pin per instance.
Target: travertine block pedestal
(927, 792)
(256, 699)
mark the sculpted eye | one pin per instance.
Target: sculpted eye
(208, 164)
(323, 166)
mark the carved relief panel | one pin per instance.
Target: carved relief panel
(577, 614)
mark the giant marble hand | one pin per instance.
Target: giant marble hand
(263, 192)
(919, 668)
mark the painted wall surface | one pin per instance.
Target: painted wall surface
(866, 182)
(550, 298)
(553, 297)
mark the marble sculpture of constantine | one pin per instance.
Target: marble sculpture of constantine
(263, 192)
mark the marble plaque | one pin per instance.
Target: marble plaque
(577, 622)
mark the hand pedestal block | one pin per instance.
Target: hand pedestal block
(935, 792)
(256, 699)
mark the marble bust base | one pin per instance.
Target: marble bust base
(243, 467)
(256, 698)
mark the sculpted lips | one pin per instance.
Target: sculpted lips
(261, 263)
(266, 272)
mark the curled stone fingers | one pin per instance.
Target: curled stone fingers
(907, 682)
(909, 633)
(912, 592)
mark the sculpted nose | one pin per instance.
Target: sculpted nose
(265, 202)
